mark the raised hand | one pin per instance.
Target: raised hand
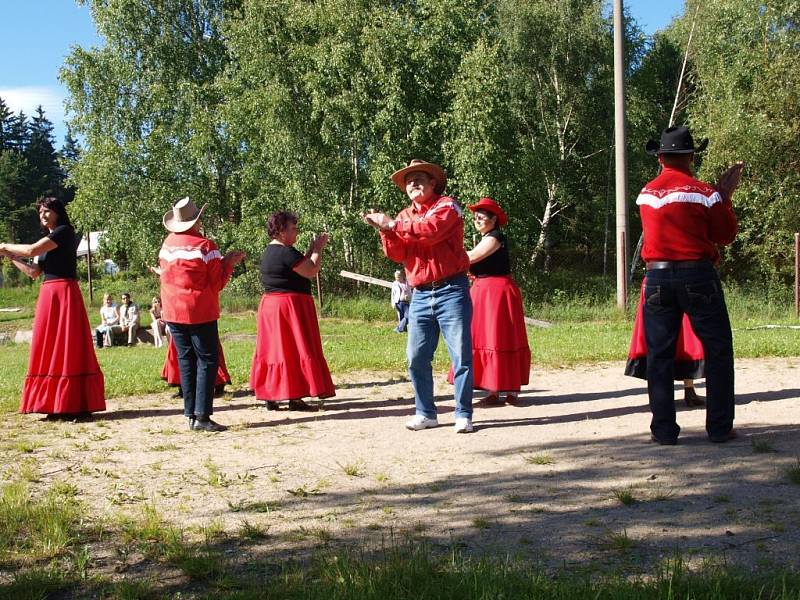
(729, 180)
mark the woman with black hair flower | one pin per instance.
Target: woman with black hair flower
(63, 375)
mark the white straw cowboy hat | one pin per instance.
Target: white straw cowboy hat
(416, 165)
(183, 216)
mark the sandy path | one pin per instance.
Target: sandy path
(539, 479)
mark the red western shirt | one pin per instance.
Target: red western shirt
(192, 275)
(429, 240)
(683, 218)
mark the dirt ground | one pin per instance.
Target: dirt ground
(566, 478)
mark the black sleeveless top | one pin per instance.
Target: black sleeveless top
(61, 262)
(497, 263)
(277, 270)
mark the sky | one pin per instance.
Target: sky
(36, 36)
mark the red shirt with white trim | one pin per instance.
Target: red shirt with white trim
(684, 219)
(192, 275)
(429, 240)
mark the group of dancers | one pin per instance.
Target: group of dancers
(482, 323)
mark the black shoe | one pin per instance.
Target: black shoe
(272, 405)
(301, 406)
(209, 425)
(655, 440)
(219, 390)
(731, 435)
(692, 399)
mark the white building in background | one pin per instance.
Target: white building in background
(95, 237)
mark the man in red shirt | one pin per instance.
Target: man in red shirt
(193, 272)
(428, 238)
(683, 221)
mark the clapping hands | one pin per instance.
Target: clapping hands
(729, 180)
(378, 220)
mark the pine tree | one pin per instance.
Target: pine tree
(44, 174)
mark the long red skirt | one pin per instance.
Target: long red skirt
(171, 373)
(288, 363)
(689, 356)
(63, 374)
(501, 356)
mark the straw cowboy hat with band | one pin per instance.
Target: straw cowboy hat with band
(183, 216)
(492, 207)
(417, 166)
(675, 140)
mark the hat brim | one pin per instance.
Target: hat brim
(435, 171)
(175, 226)
(653, 148)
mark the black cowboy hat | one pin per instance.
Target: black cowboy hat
(675, 140)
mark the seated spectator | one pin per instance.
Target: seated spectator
(158, 324)
(129, 318)
(109, 322)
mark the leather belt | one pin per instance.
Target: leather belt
(425, 287)
(676, 264)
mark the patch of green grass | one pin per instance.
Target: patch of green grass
(252, 531)
(619, 542)
(762, 445)
(36, 527)
(354, 469)
(625, 496)
(539, 459)
(793, 473)
(214, 476)
(481, 523)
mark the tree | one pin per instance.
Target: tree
(746, 103)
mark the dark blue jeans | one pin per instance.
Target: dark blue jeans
(402, 315)
(198, 358)
(696, 291)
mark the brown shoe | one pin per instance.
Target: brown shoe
(300, 405)
(490, 400)
(692, 399)
(511, 399)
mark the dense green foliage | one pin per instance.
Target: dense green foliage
(29, 168)
(256, 105)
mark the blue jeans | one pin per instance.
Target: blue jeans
(198, 358)
(447, 309)
(669, 293)
(402, 315)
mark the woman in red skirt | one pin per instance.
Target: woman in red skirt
(63, 377)
(288, 363)
(171, 372)
(689, 357)
(501, 357)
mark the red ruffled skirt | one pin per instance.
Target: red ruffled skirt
(689, 355)
(501, 356)
(63, 374)
(171, 372)
(288, 363)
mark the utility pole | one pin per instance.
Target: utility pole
(619, 156)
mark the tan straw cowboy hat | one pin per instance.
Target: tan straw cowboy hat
(416, 165)
(183, 216)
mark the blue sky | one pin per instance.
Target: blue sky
(36, 35)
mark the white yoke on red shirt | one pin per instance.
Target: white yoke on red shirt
(192, 275)
(428, 240)
(684, 219)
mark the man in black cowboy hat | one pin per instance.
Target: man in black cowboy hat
(683, 221)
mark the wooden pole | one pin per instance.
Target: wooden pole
(89, 265)
(797, 275)
(619, 156)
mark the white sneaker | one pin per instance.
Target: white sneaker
(464, 425)
(418, 422)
